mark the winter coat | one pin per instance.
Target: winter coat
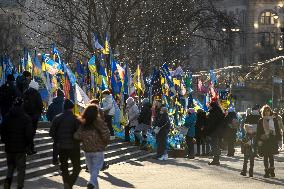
(163, 121)
(133, 114)
(268, 145)
(32, 102)
(190, 121)
(248, 143)
(201, 122)
(55, 108)
(215, 126)
(145, 114)
(96, 139)
(108, 105)
(7, 96)
(16, 131)
(62, 130)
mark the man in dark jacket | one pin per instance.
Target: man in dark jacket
(144, 121)
(33, 106)
(16, 135)
(7, 95)
(55, 108)
(215, 130)
(62, 131)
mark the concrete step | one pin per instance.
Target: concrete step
(48, 160)
(51, 169)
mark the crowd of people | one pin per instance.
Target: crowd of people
(212, 131)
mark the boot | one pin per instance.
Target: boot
(7, 183)
(266, 175)
(90, 186)
(251, 172)
(271, 171)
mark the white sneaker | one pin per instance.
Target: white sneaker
(163, 157)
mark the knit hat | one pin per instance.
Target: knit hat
(33, 84)
(130, 100)
(68, 104)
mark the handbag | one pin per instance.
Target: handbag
(183, 130)
(157, 129)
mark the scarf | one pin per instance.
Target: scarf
(268, 125)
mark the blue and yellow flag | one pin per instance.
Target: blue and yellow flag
(107, 46)
(138, 80)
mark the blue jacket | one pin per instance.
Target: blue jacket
(190, 121)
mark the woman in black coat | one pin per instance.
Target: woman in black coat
(163, 121)
(215, 130)
(268, 135)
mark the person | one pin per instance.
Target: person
(22, 82)
(55, 108)
(281, 127)
(252, 119)
(231, 131)
(33, 106)
(162, 121)
(190, 121)
(102, 116)
(62, 131)
(16, 134)
(144, 121)
(215, 130)
(109, 110)
(268, 135)
(8, 94)
(200, 134)
(133, 114)
(95, 136)
(248, 149)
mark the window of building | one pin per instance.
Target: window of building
(268, 18)
(267, 39)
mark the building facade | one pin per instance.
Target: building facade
(257, 36)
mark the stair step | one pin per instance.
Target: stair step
(47, 169)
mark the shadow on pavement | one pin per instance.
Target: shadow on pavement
(82, 182)
(43, 183)
(116, 181)
(275, 181)
(173, 162)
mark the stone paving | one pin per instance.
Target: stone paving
(176, 174)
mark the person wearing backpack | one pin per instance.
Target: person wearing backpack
(33, 106)
(62, 131)
(215, 130)
(94, 135)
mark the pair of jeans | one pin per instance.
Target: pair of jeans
(215, 144)
(190, 146)
(74, 156)
(162, 138)
(16, 160)
(108, 120)
(35, 119)
(268, 161)
(248, 157)
(94, 161)
(231, 146)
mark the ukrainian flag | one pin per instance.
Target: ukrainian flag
(29, 65)
(92, 65)
(107, 46)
